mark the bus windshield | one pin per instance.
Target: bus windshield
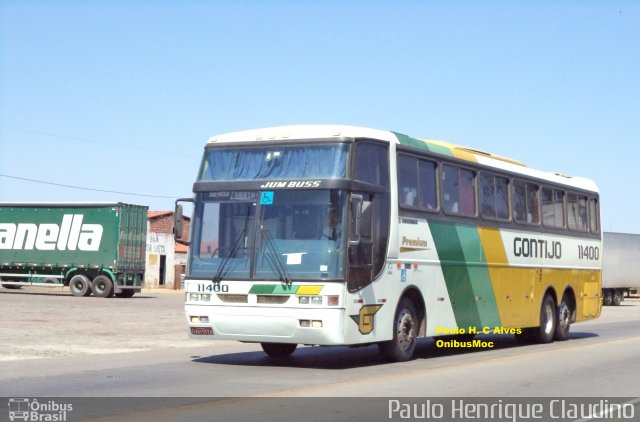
(275, 162)
(270, 235)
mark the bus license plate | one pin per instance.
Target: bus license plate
(202, 331)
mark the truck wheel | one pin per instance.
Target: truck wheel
(548, 321)
(617, 297)
(102, 286)
(564, 320)
(278, 350)
(80, 285)
(405, 330)
(607, 299)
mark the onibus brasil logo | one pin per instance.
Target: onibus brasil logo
(72, 234)
(33, 410)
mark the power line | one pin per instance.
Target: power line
(85, 188)
(89, 141)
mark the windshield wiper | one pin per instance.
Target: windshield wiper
(276, 263)
(220, 273)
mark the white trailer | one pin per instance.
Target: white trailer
(620, 266)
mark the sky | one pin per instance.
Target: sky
(122, 96)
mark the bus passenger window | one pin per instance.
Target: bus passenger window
(494, 196)
(450, 191)
(577, 212)
(487, 196)
(407, 180)
(593, 215)
(525, 203)
(427, 185)
(553, 207)
(458, 190)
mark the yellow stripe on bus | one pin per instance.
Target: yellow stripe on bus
(309, 290)
(512, 287)
(518, 291)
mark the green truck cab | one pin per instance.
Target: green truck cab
(94, 248)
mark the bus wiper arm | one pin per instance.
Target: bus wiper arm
(275, 258)
(221, 270)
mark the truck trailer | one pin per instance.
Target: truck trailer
(94, 248)
(620, 266)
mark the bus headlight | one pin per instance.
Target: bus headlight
(319, 300)
(199, 319)
(310, 300)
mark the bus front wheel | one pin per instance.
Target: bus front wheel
(405, 331)
(278, 350)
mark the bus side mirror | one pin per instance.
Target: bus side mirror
(356, 218)
(178, 221)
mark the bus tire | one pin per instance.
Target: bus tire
(405, 330)
(563, 320)
(79, 285)
(607, 297)
(102, 286)
(548, 321)
(617, 297)
(278, 350)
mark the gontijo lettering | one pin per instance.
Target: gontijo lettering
(537, 248)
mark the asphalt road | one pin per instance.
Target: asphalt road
(56, 345)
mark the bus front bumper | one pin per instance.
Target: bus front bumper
(266, 325)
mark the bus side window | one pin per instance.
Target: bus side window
(450, 191)
(525, 202)
(577, 212)
(593, 215)
(407, 180)
(458, 190)
(427, 185)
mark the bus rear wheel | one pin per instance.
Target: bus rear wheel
(564, 320)
(548, 321)
(405, 331)
(278, 350)
(617, 297)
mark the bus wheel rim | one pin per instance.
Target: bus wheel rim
(548, 318)
(406, 332)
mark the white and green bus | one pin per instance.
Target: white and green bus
(340, 235)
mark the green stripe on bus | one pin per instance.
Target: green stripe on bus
(262, 289)
(469, 285)
(479, 275)
(423, 145)
(273, 289)
(282, 289)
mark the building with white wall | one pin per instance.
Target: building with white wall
(166, 260)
